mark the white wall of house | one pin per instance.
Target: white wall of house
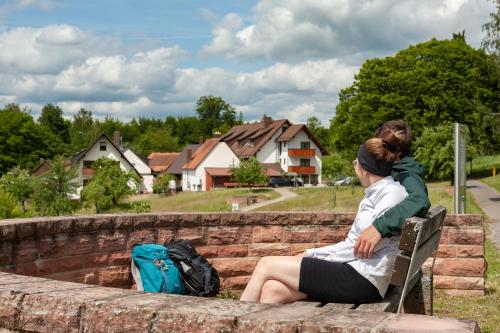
(143, 169)
(221, 156)
(269, 152)
(294, 143)
(95, 152)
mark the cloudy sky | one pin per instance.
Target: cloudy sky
(154, 58)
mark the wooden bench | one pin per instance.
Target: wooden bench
(419, 240)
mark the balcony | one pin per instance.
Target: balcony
(88, 172)
(294, 152)
(302, 169)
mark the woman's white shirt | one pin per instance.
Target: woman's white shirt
(379, 197)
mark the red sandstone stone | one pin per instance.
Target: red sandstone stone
(25, 251)
(332, 234)
(469, 236)
(144, 221)
(64, 245)
(299, 248)
(470, 251)
(239, 250)
(210, 251)
(461, 292)
(210, 219)
(117, 258)
(5, 253)
(444, 282)
(111, 241)
(222, 235)
(469, 283)
(195, 235)
(117, 276)
(227, 267)
(93, 223)
(7, 232)
(230, 219)
(301, 218)
(408, 323)
(271, 249)
(166, 236)
(325, 218)
(52, 226)
(301, 234)
(189, 220)
(464, 267)
(235, 283)
(343, 321)
(245, 235)
(25, 230)
(124, 222)
(447, 251)
(140, 237)
(167, 220)
(267, 234)
(444, 236)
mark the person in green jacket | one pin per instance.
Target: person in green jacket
(408, 173)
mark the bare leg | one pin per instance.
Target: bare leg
(276, 292)
(283, 269)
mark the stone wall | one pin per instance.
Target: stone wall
(96, 249)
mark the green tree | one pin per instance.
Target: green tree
(110, 185)
(426, 85)
(160, 140)
(18, 183)
(52, 118)
(319, 131)
(23, 142)
(54, 189)
(435, 150)
(214, 114)
(491, 41)
(249, 172)
(83, 130)
(334, 166)
(187, 130)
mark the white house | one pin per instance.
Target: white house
(209, 166)
(142, 168)
(293, 147)
(102, 147)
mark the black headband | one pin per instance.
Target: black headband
(369, 163)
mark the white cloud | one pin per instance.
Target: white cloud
(294, 29)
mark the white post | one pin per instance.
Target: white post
(460, 169)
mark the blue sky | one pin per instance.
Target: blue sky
(285, 58)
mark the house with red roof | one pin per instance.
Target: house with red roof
(293, 147)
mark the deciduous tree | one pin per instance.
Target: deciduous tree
(249, 172)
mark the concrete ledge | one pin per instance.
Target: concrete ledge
(43, 305)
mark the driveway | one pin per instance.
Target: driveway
(489, 200)
(284, 192)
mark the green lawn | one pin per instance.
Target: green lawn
(493, 181)
(346, 198)
(214, 201)
(482, 166)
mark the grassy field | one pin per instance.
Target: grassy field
(482, 166)
(346, 198)
(493, 181)
(485, 309)
(215, 201)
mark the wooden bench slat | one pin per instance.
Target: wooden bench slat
(402, 262)
(430, 224)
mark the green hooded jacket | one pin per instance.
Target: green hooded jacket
(408, 173)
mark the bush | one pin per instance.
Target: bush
(9, 206)
(335, 165)
(160, 185)
(140, 206)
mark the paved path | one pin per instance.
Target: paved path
(489, 200)
(283, 191)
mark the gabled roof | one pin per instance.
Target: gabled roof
(159, 162)
(246, 140)
(293, 130)
(78, 156)
(202, 152)
(176, 167)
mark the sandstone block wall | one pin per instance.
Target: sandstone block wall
(96, 249)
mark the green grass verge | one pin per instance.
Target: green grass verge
(493, 181)
(482, 166)
(214, 201)
(484, 309)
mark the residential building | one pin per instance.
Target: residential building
(160, 162)
(142, 166)
(209, 166)
(293, 147)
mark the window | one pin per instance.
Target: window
(305, 162)
(88, 164)
(305, 145)
(102, 146)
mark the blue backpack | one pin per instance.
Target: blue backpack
(157, 271)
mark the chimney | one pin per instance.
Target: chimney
(117, 139)
(217, 134)
(266, 121)
(189, 154)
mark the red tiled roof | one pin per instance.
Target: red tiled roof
(200, 154)
(273, 169)
(159, 162)
(218, 171)
(246, 140)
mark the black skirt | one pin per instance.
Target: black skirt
(335, 282)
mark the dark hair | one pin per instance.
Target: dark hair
(381, 149)
(396, 135)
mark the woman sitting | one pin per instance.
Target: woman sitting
(333, 273)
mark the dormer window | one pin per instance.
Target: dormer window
(305, 145)
(102, 146)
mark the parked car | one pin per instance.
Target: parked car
(280, 181)
(342, 181)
